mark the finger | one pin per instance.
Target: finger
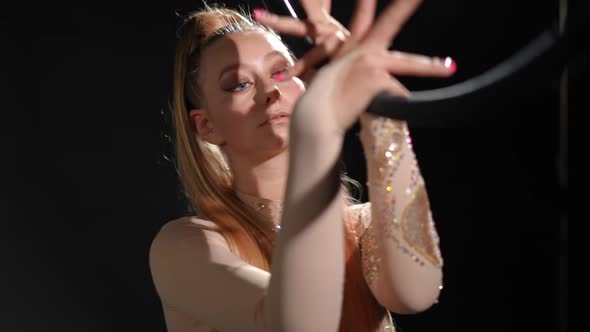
(392, 85)
(283, 24)
(327, 5)
(315, 8)
(324, 30)
(390, 22)
(362, 18)
(322, 25)
(327, 49)
(400, 63)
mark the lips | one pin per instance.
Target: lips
(274, 116)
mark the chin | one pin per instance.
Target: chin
(278, 142)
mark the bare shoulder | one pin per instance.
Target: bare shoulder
(186, 232)
(189, 222)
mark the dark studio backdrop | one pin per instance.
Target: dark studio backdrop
(87, 186)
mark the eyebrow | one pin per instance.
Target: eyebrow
(235, 66)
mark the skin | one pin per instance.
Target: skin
(240, 99)
(361, 67)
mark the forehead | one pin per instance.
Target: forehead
(240, 48)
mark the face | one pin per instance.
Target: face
(246, 102)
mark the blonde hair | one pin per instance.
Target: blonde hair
(202, 167)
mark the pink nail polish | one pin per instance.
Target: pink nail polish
(258, 13)
(450, 64)
(280, 77)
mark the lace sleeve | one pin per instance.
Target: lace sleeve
(402, 262)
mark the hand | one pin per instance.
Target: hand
(332, 40)
(362, 66)
(320, 28)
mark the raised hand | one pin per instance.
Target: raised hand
(363, 66)
(333, 40)
(320, 28)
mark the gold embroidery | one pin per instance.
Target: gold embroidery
(370, 259)
(418, 228)
(383, 140)
(391, 232)
(387, 143)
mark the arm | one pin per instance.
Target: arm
(361, 67)
(310, 250)
(200, 277)
(401, 259)
(195, 272)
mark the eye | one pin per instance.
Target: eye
(239, 87)
(280, 72)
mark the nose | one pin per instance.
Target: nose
(268, 94)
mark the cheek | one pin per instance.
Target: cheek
(233, 122)
(233, 108)
(228, 120)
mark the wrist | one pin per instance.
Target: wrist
(312, 119)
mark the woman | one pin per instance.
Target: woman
(258, 155)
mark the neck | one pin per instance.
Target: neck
(265, 178)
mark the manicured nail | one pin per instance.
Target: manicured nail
(258, 13)
(280, 77)
(450, 64)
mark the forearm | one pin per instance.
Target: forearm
(308, 264)
(406, 273)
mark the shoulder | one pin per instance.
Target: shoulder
(188, 232)
(188, 224)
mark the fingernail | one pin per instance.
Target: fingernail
(450, 64)
(258, 13)
(280, 77)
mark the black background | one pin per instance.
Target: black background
(86, 187)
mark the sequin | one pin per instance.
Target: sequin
(370, 260)
(415, 177)
(392, 235)
(418, 227)
(388, 141)
(384, 140)
(390, 147)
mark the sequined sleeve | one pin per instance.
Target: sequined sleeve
(402, 263)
